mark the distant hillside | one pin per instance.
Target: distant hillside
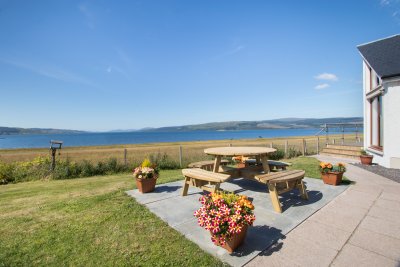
(14, 130)
(286, 123)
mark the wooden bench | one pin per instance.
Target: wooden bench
(273, 164)
(207, 164)
(203, 179)
(281, 182)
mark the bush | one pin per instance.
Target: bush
(277, 155)
(164, 162)
(293, 153)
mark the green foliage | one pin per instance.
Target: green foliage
(293, 153)
(277, 155)
(363, 152)
(164, 162)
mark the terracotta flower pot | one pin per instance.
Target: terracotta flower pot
(146, 185)
(236, 241)
(366, 159)
(332, 178)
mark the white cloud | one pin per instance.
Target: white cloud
(321, 86)
(385, 2)
(327, 77)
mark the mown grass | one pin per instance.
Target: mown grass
(310, 165)
(89, 222)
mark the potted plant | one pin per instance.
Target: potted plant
(146, 176)
(332, 174)
(227, 217)
(366, 159)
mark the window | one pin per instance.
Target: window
(376, 121)
(374, 96)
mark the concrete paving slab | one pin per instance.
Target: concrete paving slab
(167, 203)
(346, 218)
(381, 226)
(302, 252)
(384, 214)
(382, 244)
(392, 205)
(332, 237)
(355, 256)
(390, 196)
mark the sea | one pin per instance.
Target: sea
(143, 137)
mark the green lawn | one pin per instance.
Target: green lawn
(310, 165)
(88, 222)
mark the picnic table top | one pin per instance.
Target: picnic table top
(239, 151)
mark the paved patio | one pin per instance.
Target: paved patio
(268, 228)
(358, 228)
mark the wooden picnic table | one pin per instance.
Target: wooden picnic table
(260, 153)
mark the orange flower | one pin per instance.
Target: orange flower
(329, 166)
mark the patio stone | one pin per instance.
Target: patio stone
(390, 196)
(381, 226)
(332, 237)
(388, 204)
(354, 256)
(382, 244)
(384, 214)
(168, 204)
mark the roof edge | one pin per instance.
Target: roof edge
(381, 39)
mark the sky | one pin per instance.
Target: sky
(106, 65)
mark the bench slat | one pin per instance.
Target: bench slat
(280, 176)
(205, 175)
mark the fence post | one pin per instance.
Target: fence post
(230, 144)
(271, 145)
(304, 147)
(317, 145)
(125, 154)
(286, 148)
(180, 156)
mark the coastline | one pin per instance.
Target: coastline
(191, 149)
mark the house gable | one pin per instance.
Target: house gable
(383, 56)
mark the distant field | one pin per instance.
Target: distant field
(191, 151)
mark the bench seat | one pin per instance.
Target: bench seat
(278, 182)
(203, 179)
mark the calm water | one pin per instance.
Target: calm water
(96, 139)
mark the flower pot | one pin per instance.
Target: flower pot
(146, 185)
(366, 159)
(236, 241)
(332, 178)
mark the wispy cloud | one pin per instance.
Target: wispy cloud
(236, 49)
(48, 71)
(113, 68)
(327, 77)
(84, 9)
(321, 86)
(385, 2)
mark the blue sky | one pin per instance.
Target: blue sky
(103, 65)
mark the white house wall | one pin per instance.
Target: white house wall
(391, 120)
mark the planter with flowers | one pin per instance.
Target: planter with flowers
(332, 174)
(227, 217)
(146, 176)
(366, 159)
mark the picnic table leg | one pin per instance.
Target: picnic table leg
(264, 161)
(302, 188)
(273, 192)
(217, 162)
(258, 160)
(185, 186)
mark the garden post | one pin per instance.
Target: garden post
(180, 156)
(304, 147)
(125, 155)
(317, 145)
(286, 148)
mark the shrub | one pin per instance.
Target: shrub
(164, 162)
(277, 155)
